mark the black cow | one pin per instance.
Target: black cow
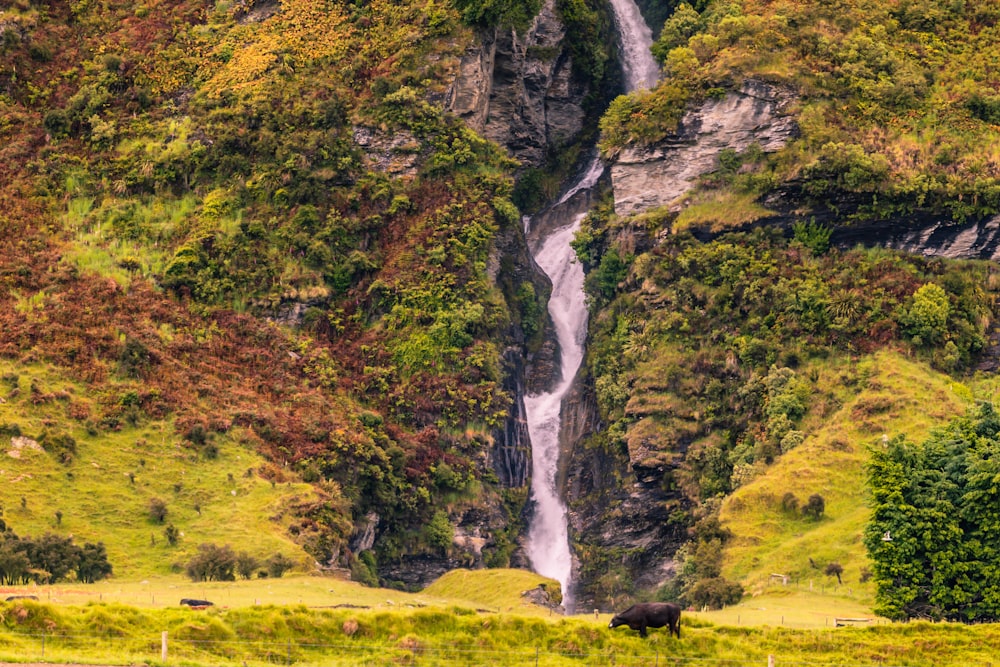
(650, 615)
(196, 604)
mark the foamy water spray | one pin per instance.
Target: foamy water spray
(641, 69)
(548, 536)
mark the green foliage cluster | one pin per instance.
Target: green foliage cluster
(498, 13)
(49, 559)
(934, 531)
(212, 563)
(897, 100)
(699, 582)
(701, 351)
(586, 22)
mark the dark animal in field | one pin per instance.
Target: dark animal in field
(650, 615)
(21, 597)
(196, 604)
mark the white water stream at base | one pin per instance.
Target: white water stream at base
(548, 535)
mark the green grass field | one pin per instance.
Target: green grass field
(103, 494)
(883, 395)
(341, 623)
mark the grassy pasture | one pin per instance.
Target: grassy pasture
(883, 394)
(466, 618)
(103, 493)
(447, 635)
(483, 590)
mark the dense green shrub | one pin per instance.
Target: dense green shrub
(61, 446)
(984, 107)
(212, 563)
(93, 565)
(934, 531)
(585, 31)
(49, 559)
(157, 510)
(278, 564)
(814, 507)
(364, 569)
(246, 565)
(681, 25)
(490, 13)
(925, 319)
(440, 532)
(814, 236)
(714, 593)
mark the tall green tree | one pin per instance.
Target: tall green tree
(936, 522)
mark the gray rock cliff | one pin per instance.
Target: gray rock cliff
(519, 91)
(646, 177)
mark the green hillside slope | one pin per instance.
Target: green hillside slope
(251, 228)
(733, 370)
(100, 488)
(888, 395)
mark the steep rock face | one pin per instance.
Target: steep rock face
(646, 177)
(474, 528)
(622, 501)
(519, 91)
(979, 239)
(511, 268)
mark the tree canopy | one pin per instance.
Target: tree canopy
(934, 536)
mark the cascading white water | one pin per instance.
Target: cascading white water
(641, 69)
(548, 536)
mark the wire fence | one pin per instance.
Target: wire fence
(167, 651)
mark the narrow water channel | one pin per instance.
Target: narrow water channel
(548, 535)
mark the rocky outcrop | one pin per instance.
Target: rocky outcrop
(519, 90)
(510, 455)
(610, 516)
(255, 11)
(646, 177)
(473, 527)
(979, 239)
(395, 154)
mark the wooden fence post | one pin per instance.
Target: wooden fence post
(163, 646)
(770, 661)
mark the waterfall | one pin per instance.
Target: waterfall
(548, 535)
(641, 69)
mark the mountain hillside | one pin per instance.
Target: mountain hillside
(263, 261)
(254, 225)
